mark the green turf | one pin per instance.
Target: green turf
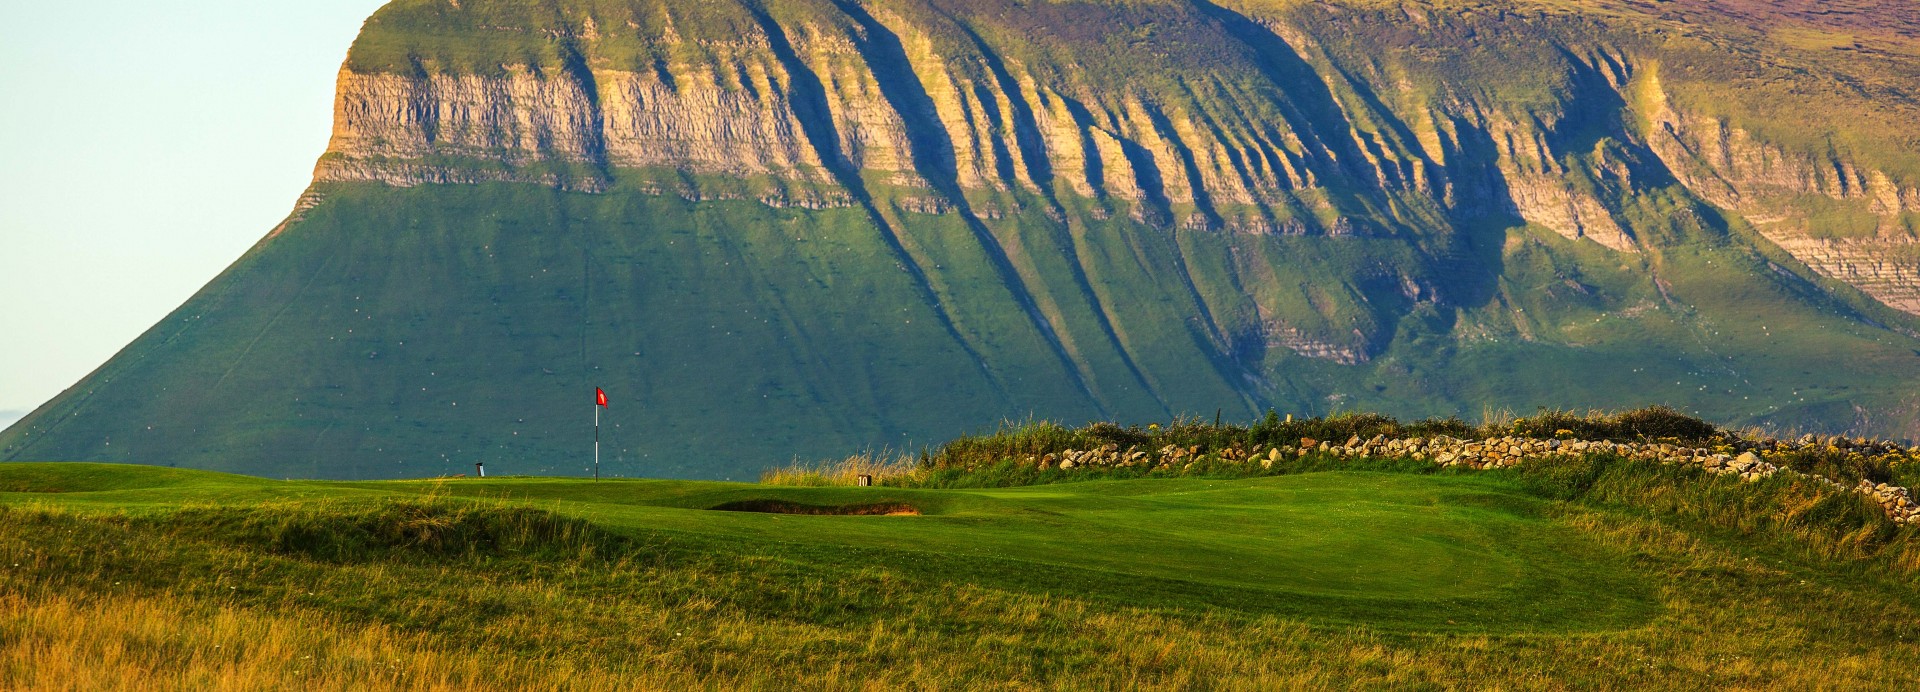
(1388, 550)
(1587, 573)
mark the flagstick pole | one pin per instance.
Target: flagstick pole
(596, 441)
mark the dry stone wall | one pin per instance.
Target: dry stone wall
(1501, 452)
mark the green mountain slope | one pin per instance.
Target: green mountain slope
(778, 229)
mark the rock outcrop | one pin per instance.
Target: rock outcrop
(871, 94)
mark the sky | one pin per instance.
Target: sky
(144, 145)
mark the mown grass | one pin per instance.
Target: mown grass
(1595, 574)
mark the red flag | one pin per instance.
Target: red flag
(599, 397)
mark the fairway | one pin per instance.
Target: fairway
(1396, 551)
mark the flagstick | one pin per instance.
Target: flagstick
(596, 441)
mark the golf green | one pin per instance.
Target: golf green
(1393, 551)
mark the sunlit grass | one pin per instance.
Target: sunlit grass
(1771, 585)
(884, 470)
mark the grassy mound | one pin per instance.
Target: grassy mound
(92, 478)
(397, 528)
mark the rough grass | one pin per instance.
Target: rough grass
(1799, 516)
(845, 472)
(1753, 585)
(395, 529)
(60, 642)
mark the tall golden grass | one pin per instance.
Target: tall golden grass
(884, 468)
(58, 642)
(1020, 642)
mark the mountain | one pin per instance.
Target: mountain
(780, 228)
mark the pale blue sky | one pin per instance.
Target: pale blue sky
(143, 146)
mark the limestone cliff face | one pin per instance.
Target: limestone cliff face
(1248, 122)
(902, 110)
(413, 129)
(1540, 185)
(1868, 235)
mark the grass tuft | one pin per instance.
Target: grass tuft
(845, 472)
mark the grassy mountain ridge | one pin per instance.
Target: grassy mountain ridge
(779, 229)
